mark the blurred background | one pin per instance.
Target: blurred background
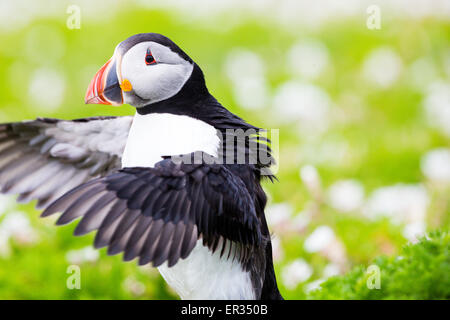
(362, 106)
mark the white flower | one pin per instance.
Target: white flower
(403, 203)
(279, 214)
(310, 177)
(382, 67)
(15, 222)
(245, 69)
(47, 89)
(437, 106)
(435, 165)
(17, 225)
(413, 231)
(346, 195)
(308, 58)
(306, 103)
(277, 249)
(296, 272)
(134, 286)
(313, 285)
(251, 92)
(6, 203)
(301, 220)
(319, 239)
(331, 270)
(86, 254)
(241, 62)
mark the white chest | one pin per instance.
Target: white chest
(161, 134)
(202, 275)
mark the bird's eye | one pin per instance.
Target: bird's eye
(149, 59)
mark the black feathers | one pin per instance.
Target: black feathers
(44, 158)
(125, 45)
(157, 214)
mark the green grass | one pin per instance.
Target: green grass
(420, 272)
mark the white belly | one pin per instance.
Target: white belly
(206, 276)
(202, 275)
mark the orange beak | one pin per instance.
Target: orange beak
(104, 87)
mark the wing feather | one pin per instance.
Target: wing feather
(158, 214)
(44, 158)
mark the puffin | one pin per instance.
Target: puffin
(177, 185)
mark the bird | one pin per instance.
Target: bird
(159, 186)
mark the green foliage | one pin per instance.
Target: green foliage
(40, 271)
(422, 272)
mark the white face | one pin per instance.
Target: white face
(152, 82)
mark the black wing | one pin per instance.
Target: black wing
(44, 158)
(158, 214)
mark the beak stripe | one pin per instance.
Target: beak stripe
(99, 93)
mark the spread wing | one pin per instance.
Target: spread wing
(44, 158)
(158, 214)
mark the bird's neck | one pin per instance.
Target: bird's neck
(195, 101)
